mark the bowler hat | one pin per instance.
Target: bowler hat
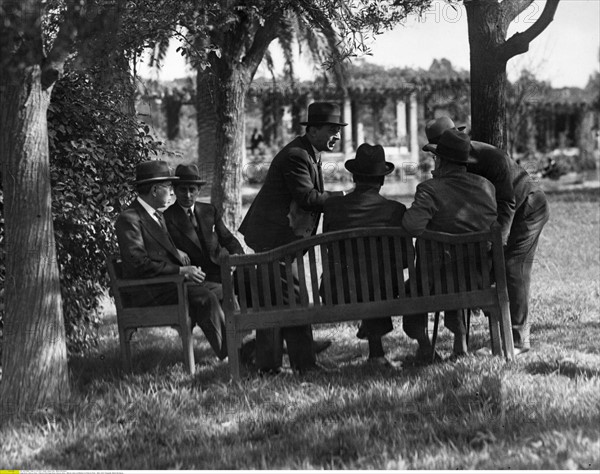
(369, 161)
(434, 128)
(188, 174)
(153, 171)
(453, 146)
(321, 113)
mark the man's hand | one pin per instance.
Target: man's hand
(192, 273)
(184, 257)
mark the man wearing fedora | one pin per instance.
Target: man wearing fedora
(456, 202)
(147, 250)
(522, 214)
(365, 207)
(287, 208)
(197, 228)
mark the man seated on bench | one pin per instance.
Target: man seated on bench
(148, 251)
(456, 202)
(365, 207)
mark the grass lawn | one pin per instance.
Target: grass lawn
(542, 411)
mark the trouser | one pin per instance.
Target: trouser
(415, 325)
(204, 306)
(299, 339)
(519, 255)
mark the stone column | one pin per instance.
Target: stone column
(347, 147)
(401, 125)
(414, 129)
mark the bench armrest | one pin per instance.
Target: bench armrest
(132, 282)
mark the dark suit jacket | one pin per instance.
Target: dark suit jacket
(511, 181)
(146, 249)
(205, 246)
(364, 207)
(293, 177)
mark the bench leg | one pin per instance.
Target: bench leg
(506, 332)
(436, 324)
(125, 336)
(187, 340)
(493, 318)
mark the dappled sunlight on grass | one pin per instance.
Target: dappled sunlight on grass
(541, 411)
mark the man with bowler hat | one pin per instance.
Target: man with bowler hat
(287, 208)
(522, 214)
(456, 202)
(147, 250)
(196, 227)
(365, 207)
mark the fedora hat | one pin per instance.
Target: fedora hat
(434, 128)
(453, 146)
(188, 174)
(369, 161)
(321, 113)
(153, 171)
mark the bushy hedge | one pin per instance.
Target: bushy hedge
(94, 148)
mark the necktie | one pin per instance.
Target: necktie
(161, 219)
(192, 219)
(320, 173)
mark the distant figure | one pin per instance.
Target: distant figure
(365, 207)
(288, 208)
(551, 170)
(255, 140)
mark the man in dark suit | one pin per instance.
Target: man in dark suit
(197, 228)
(456, 202)
(147, 251)
(365, 207)
(288, 208)
(522, 214)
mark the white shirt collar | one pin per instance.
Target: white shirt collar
(148, 208)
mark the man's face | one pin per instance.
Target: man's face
(186, 194)
(162, 194)
(324, 137)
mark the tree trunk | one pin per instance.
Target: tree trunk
(34, 356)
(207, 123)
(487, 32)
(226, 192)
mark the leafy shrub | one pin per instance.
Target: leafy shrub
(94, 148)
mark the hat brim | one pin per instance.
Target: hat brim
(433, 149)
(191, 181)
(341, 124)
(157, 180)
(350, 166)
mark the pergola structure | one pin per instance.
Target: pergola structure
(396, 107)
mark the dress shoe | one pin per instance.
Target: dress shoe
(427, 356)
(522, 350)
(383, 362)
(248, 352)
(457, 355)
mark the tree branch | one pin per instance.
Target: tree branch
(54, 62)
(519, 42)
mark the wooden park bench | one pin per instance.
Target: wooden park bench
(130, 318)
(361, 270)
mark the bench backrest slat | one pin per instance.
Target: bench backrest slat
(314, 275)
(460, 269)
(304, 300)
(374, 266)
(365, 254)
(423, 258)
